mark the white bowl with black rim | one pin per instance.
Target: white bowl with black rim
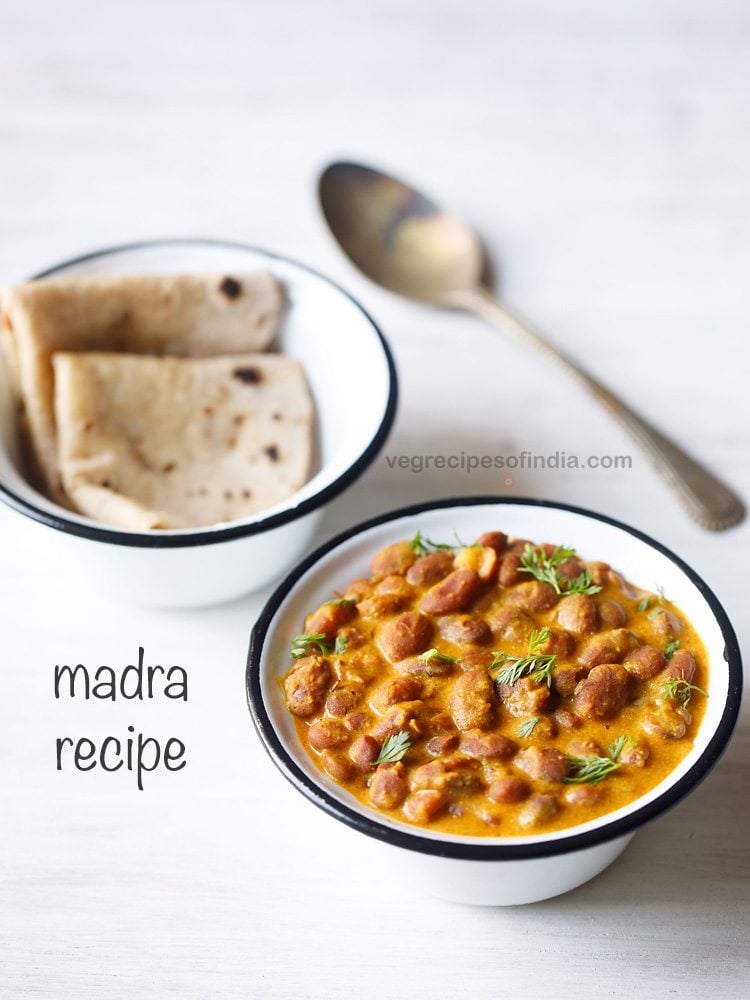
(353, 382)
(491, 870)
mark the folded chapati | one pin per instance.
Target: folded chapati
(181, 315)
(147, 442)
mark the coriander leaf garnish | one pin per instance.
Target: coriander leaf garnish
(662, 596)
(393, 748)
(671, 648)
(643, 604)
(681, 690)
(432, 654)
(655, 613)
(342, 602)
(616, 747)
(439, 546)
(537, 665)
(513, 668)
(543, 567)
(465, 545)
(582, 584)
(418, 544)
(342, 641)
(527, 726)
(538, 638)
(423, 545)
(590, 770)
(301, 643)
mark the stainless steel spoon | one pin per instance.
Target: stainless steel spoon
(409, 245)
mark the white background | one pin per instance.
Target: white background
(603, 149)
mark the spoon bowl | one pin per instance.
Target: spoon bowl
(397, 236)
(406, 243)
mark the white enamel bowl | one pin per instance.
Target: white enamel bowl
(353, 383)
(491, 870)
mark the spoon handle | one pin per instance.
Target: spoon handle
(708, 501)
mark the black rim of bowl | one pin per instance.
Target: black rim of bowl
(212, 536)
(480, 851)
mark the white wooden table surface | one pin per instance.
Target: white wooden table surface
(603, 149)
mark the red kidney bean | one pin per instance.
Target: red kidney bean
(359, 589)
(603, 692)
(424, 805)
(381, 605)
(492, 746)
(645, 662)
(399, 718)
(607, 647)
(668, 721)
(496, 540)
(441, 723)
(454, 593)
(542, 763)
(473, 659)
(464, 629)
(567, 720)
(442, 743)
(396, 586)
(518, 544)
(576, 613)
(508, 790)
(430, 568)
(472, 701)
(352, 636)
(305, 685)
(583, 747)
(534, 596)
(546, 728)
(342, 700)
(511, 623)
(612, 614)
(406, 688)
(560, 643)
(509, 575)
(406, 635)
(329, 618)
(680, 667)
(360, 666)
(483, 560)
(667, 625)
(570, 568)
(525, 697)
(357, 721)
(537, 810)
(447, 773)
(388, 787)
(393, 559)
(565, 679)
(600, 573)
(635, 756)
(325, 734)
(364, 751)
(432, 667)
(339, 768)
(583, 795)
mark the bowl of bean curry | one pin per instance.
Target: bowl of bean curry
(492, 676)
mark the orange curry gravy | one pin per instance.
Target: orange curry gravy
(495, 689)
